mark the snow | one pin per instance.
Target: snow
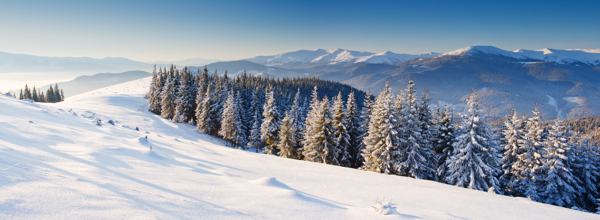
(568, 56)
(335, 56)
(552, 102)
(57, 164)
(571, 98)
(389, 57)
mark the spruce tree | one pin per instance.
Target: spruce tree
(382, 141)
(444, 150)
(365, 118)
(34, 95)
(168, 99)
(270, 126)
(319, 139)
(228, 122)
(415, 157)
(154, 93)
(529, 161)
(240, 139)
(207, 119)
(254, 140)
(513, 134)
(342, 138)
(353, 127)
(586, 167)
(469, 166)
(560, 186)
(287, 145)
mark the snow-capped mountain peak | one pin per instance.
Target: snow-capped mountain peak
(569, 56)
(335, 56)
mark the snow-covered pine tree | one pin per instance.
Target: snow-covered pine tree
(183, 104)
(297, 124)
(342, 138)
(365, 118)
(560, 186)
(415, 156)
(469, 167)
(154, 93)
(382, 140)
(586, 167)
(530, 159)
(207, 118)
(228, 123)
(254, 140)
(352, 126)
(446, 132)
(240, 138)
(286, 145)
(319, 140)
(167, 104)
(429, 131)
(513, 133)
(269, 128)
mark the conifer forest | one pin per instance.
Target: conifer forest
(395, 132)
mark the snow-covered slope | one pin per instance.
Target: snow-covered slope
(569, 56)
(335, 56)
(55, 163)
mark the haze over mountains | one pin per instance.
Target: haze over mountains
(562, 82)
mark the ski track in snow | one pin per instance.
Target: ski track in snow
(55, 163)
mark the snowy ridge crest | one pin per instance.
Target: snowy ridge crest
(335, 56)
(568, 56)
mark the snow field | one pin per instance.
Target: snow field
(69, 168)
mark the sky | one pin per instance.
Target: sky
(230, 30)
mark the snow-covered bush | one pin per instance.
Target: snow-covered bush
(383, 207)
(98, 122)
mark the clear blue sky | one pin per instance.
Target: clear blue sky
(175, 30)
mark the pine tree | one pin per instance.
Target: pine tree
(365, 119)
(529, 161)
(228, 122)
(57, 96)
(153, 93)
(207, 118)
(586, 167)
(271, 122)
(560, 186)
(513, 133)
(34, 95)
(240, 139)
(297, 124)
(382, 141)
(255, 141)
(286, 145)
(352, 126)
(184, 106)
(415, 156)
(469, 166)
(342, 138)
(21, 96)
(168, 99)
(319, 140)
(444, 149)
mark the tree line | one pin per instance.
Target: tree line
(328, 122)
(52, 94)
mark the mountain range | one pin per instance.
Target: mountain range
(561, 82)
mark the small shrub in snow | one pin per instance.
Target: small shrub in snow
(98, 122)
(383, 207)
(111, 122)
